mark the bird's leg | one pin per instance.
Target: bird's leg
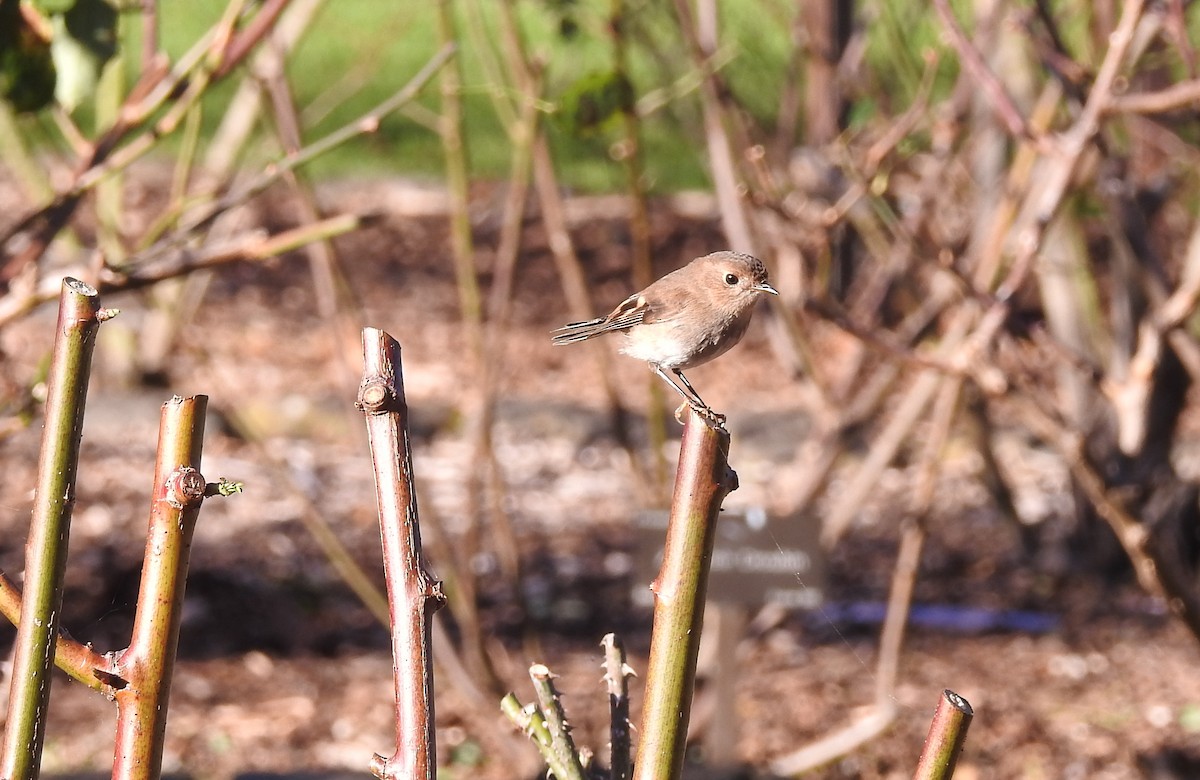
(691, 393)
(691, 396)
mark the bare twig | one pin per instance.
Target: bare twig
(367, 123)
(947, 733)
(1043, 204)
(484, 480)
(631, 154)
(329, 282)
(413, 595)
(837, 743)
(896, 132)
(79, 317)
(248, 37)
(149, 9)
(1185, 94)
(252, 245)
(1154, 573)
(147, 664)
(185, 84)
(888, 443)
(616, 679)
(1002, 103)
(566, 756)
(734, 221)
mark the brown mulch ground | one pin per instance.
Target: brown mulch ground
(283, 671)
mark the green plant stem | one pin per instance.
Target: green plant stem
(484, 471)
(530, 720)
(328, 275)
(146, 665)
(109, 208)
(79, 661)
(522, 133)
(566, 757)
(701, 484)
(79, 317)
(947, 733)
(454, 149)
(639, 235)
(525, 72)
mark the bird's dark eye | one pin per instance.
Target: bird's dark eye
(731, 279)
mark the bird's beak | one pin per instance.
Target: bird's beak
(764, 287)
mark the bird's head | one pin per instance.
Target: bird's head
(733, 278)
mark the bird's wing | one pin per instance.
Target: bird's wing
(657, 307)
(629, 312)
(576, 331)
(634, 310)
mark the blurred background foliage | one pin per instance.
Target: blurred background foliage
(353, 55)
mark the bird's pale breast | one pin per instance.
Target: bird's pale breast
(673, 344)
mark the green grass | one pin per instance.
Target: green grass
(357, 43)
(358, 52)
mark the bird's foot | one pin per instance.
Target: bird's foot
(713, 419)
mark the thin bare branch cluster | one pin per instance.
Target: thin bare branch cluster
(191, 232)
(998, 249)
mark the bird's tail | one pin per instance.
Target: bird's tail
(577, 331)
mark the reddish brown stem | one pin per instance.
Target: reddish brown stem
(147, 665)
(413, 596)
(946, 735)
(1002, 103)
(245, 41)
(149, 33)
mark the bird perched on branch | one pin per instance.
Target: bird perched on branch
(684, 319)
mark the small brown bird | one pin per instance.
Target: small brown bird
(685, 319)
